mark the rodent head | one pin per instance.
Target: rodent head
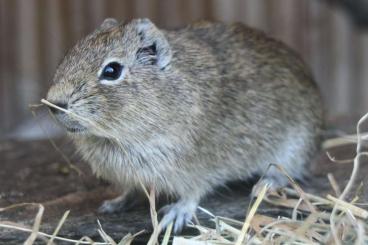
(114, 79)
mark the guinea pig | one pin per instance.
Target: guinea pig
(186, 111)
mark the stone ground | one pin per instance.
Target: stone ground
(33, 171)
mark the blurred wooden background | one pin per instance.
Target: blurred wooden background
(34, 34)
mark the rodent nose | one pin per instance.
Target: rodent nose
(59, 104)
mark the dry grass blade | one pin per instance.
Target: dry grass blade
(287, 203)
(334, 184)
(36, 226)
(166, 239)
(156, 226)
(251, 214)
(184, 241)
(103, 234)
(127, 239)
(294, 215)
(84, 240)
(226, 227)
(312, 198)
(360, 233)
(151, 198)
(340, 161)
(19, 205)
(206, 212)
(352, 177)
(345, 206)
(60, 224)
(302, 230)
(260, 221)
(297, 188)
(153, 209)
(344, 140)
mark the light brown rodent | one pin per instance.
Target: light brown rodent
(186, 111)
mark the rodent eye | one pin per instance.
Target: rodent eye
(111, 71)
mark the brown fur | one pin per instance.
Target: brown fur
(216, 103)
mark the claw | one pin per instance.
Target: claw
(179, 213)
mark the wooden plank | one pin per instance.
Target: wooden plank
(10, 68)
(35, 35)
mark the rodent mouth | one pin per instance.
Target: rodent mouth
(75, 130)
(70, 125)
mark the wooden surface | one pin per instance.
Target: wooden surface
(35, 34)
(34, 172)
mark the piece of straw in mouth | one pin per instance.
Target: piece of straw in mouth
(96, 126)
(54, 106)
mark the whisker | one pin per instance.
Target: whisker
(93, 124)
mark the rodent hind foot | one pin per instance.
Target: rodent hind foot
(112, 206)
(121, 203)
(272, 184)
(180, 213)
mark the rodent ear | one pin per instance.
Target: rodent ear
(155, 49)
(108, 23)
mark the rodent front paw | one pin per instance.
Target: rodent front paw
(180, 213)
